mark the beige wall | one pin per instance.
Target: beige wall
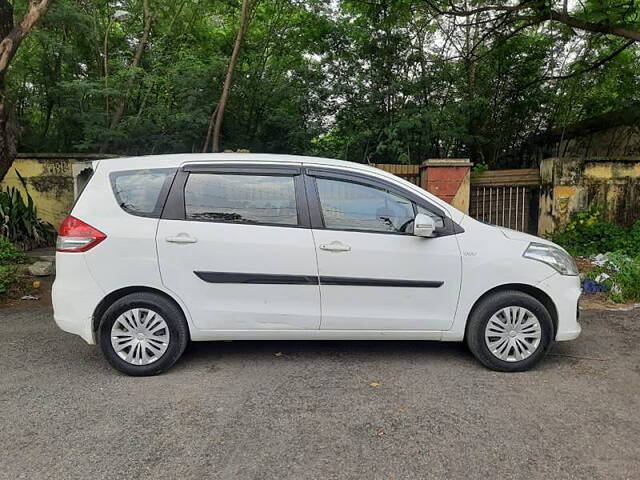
(50, 181)
(570, 185)
(463, 195)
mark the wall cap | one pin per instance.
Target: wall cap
(447, 162)
(612, 159)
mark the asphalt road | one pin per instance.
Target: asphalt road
(308, 410)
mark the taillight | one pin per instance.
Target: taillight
(76, 236)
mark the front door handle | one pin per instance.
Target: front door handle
(181, 238)
(335, 247)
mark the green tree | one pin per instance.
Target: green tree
(376, 81)
(11, 37)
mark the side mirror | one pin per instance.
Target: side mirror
(424, 226)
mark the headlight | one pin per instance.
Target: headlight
(552, 256)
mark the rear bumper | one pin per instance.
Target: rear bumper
(75, 296)
(564, 335)
(565, 292)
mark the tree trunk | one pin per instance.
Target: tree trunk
(470, 62)
(7, 136)
(10, 39)
(105, 70)
(135, 63)
(244, 20)
(205, 147)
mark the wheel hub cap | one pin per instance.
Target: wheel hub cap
(513, 334)
(140, 336)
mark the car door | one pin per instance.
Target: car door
(374, 273)
(234, 244)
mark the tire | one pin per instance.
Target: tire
(165, 342)
(524, 350)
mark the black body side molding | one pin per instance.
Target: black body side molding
(256, 278)
(271, 279)
(379, 282)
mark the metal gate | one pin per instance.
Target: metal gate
(508, 198)
(410, 173)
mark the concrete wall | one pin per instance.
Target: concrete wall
(570, 185)
(52, 180)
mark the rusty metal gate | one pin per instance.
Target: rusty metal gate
(508, 198)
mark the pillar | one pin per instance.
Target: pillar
(448, 179)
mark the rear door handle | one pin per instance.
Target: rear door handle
(181, 238)
(335, 247)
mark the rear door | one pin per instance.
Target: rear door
(234, 244)
(374, 273)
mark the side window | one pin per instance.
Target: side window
(240, 198)
(352, 206)
(142, 192)
(438, 219)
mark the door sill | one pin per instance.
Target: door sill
(212, 335)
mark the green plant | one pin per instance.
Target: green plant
(624, 282)
(622, 276)
(479, 167)
(10, 275)
(587, 233)
(19, 220)
(9, 253)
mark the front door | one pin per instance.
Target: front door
(374, 273)
(235, 245)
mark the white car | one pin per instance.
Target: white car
(161, 250)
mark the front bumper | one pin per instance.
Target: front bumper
(565, 292)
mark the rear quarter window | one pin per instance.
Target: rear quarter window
(142, 192)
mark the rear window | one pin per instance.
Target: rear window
(142, 192)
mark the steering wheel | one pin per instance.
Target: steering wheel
(403, 227)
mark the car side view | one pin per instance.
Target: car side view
(162, 250)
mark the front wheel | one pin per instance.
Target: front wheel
(143, 334)
(510, 331)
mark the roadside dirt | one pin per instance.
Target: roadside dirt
(12, 299)
(599, 301)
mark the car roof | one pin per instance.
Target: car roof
(179, 159)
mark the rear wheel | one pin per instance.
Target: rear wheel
(143, 334)
(510, 331)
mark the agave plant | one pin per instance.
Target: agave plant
(19, 220)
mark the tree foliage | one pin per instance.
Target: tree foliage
(374, 81)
